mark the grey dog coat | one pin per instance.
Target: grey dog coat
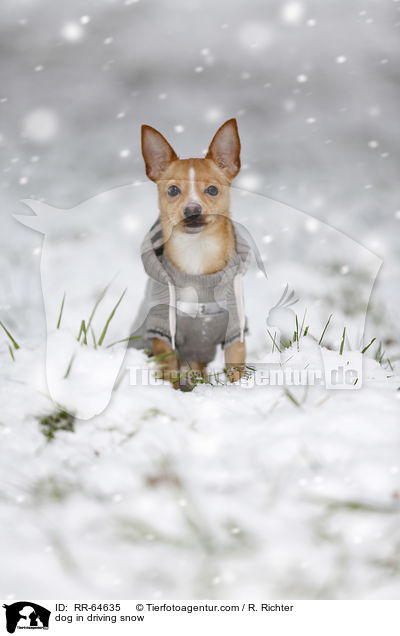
(193, 313)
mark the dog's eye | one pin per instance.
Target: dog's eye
(212, 190)
(173, 191)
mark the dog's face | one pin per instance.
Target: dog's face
(193, 193)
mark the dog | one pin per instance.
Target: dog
(195, 258)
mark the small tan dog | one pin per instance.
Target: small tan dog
(198, 241)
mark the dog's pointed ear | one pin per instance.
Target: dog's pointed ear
(157, 153)
(224, 149)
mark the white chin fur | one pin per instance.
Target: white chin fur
(193, 250)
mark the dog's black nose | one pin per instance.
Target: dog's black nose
(192, 210)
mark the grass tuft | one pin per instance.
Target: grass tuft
(58, 421)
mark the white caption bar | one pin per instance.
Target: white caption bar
(147, 617)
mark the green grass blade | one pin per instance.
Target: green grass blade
(161, 356)
(342, 343)
(273, 340)
(302, 323)
(97, 303)
(325, 328)
(291, 397)
(11, 352)
(68, 371)
(111, 316)
(83, 331)
(368, 346)
(128, 340)
(93, 337)
(16, 345)
(61, 312)
(380, 354)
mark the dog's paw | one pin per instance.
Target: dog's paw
(234, 373)
(190, 378)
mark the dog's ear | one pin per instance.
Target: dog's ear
(224, 149)
(157, 153)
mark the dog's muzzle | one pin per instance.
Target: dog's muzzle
(193, 218)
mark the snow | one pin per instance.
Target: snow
(243, 491)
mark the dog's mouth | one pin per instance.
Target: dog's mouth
(194, 224)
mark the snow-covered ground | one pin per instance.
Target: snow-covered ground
(225, 492)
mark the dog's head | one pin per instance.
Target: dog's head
(193, 193)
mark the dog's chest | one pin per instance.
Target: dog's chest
(196, 254)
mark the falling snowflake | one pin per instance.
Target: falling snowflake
(302, 78)
(249, 182)
(40, 125)
(292, 12)
(289, 105)
(213, 114)
(312, 226)
(256, 35)
(72, 32)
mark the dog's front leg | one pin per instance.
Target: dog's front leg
(167, 361)
(235, 356)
